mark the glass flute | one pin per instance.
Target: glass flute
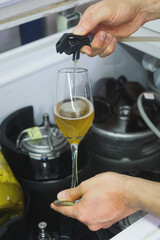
(73, 112)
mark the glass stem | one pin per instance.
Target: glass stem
(74, 151)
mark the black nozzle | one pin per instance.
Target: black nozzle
(71, 44)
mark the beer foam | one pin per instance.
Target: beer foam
(77, 108)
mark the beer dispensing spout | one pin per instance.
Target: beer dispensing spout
(71, 44)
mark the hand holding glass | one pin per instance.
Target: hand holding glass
(73, 112)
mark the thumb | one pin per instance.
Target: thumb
(71, 194)
(94, 15)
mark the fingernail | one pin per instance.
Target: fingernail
(79, 30)
(108, 38)
(61, 195)
(85, 50)
(113, 42)
(102, 36)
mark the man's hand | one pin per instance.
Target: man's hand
(103, 201)
(109, 19)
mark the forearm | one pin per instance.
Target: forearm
(144, 194)
(151, 10)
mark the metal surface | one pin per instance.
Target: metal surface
(51, 144)
(98, 129)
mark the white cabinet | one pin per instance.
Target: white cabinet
(153, 25)
(27, 10)
(4, 3)
(147, 39)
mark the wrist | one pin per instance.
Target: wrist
(142, 194)
(131, 194)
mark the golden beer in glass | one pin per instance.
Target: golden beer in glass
(73, 110)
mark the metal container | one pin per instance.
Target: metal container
(44, 154)
(122, 141)
(45, 146)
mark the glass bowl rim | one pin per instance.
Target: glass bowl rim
(72, 70)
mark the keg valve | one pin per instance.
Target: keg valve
(71, 44)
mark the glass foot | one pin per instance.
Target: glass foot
(65, 203)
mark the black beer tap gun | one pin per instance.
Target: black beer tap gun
(71, 44)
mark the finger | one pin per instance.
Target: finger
(98, 44)
(110, 48)
(100, 48)
(108, 224)
(87, 50)
(96, 227)
(71, 194)
(99, 40)
(69, 211)
(91, 18)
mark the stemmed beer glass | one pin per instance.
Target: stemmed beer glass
(73, 111)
